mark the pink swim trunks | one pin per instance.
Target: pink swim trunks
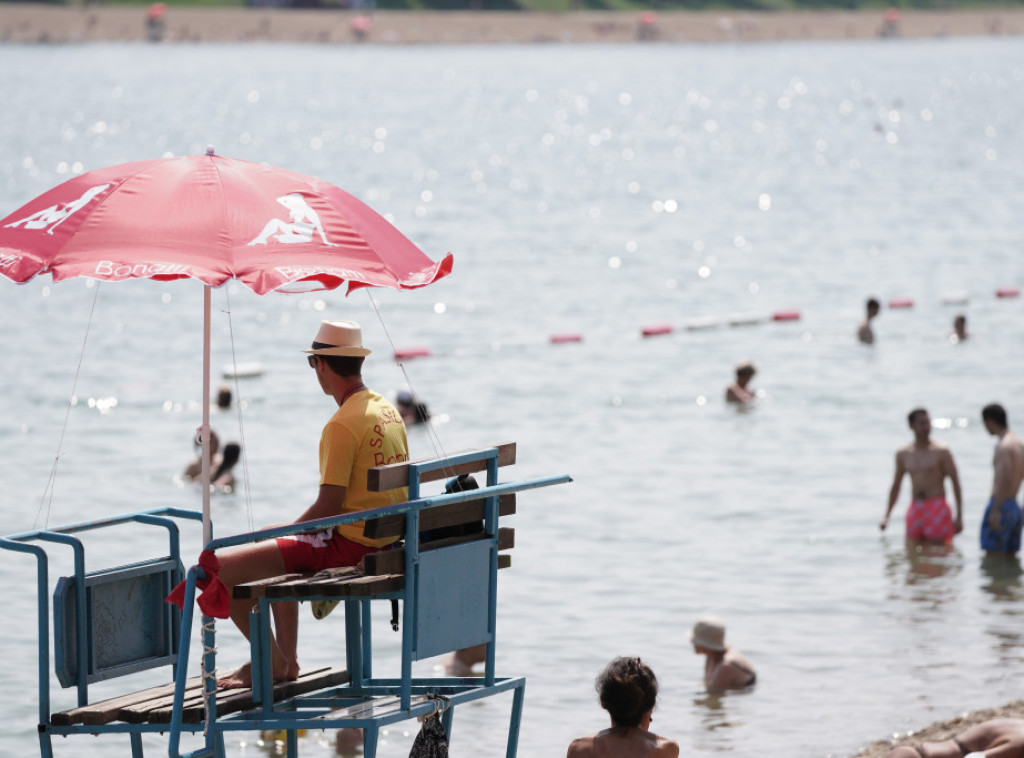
(315, 551)
(930, 520)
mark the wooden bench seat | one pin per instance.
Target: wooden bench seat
(154, 705)
(383, 572)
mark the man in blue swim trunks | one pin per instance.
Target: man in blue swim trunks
(1001, 525)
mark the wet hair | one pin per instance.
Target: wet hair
(232, 452)
(995, 413)
(912, 416)
(628, 690)
(343, 365)
(873, 304)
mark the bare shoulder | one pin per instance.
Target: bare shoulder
(581, 747)
(667, 748)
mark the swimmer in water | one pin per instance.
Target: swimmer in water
(628, 690)
(929, 464)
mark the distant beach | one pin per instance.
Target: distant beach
(39, 23)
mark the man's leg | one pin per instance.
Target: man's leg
(249, 563)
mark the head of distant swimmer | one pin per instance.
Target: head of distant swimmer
(918, 414)
(873, 306)
(628, 690)
(993, 416)
(745, 372)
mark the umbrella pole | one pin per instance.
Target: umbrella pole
(205, 429)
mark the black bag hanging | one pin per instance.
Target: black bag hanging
(431, 742)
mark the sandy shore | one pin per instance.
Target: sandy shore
(31, 22)
(943, 730)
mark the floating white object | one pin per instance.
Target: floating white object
(242, 370)
(706, 322)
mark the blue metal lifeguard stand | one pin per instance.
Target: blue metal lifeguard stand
(111, 622)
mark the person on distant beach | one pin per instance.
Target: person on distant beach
(365, 431)
(995, 738)
(737, 392)
(959, 333)
(724, 668)
(628, 690)
(1001, 524)
(864, 332)
(929, 465)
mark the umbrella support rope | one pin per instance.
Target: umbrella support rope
(209, 653)
(241, 426)
(435, 439)
(47, 499)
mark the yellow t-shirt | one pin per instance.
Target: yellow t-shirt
(366, 431)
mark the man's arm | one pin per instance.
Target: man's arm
(329, 502)
(894, 491)
(954, 479)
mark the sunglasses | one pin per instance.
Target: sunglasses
(312, 360)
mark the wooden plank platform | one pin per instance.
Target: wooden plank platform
(154, 705)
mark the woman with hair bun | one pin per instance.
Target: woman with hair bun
(628, 690)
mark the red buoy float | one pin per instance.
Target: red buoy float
(786, 316)
(411, 352)
(656, 329)
(901, 302)
(1007, 292)
(558, 339)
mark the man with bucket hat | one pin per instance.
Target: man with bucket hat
(365, 431)
(724, 668)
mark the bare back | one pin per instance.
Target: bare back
(1009, 467)
(620, 742)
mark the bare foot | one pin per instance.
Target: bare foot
(241, 678)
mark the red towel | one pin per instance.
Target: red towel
(214, 599)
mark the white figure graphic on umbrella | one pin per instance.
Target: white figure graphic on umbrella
(300, 229)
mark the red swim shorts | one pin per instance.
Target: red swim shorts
(930, 520)
(316, 551)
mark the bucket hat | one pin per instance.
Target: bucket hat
(709, 632)
(339, 338)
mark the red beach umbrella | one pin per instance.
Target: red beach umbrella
(213, 219)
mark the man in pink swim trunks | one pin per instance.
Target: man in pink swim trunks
(929, 464)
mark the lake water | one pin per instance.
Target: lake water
(590, 191)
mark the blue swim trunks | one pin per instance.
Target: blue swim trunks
(1007, 538)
